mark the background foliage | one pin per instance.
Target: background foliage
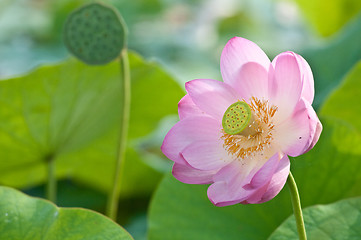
(53, 106)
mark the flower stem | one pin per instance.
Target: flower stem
(296, 203)
(112, 206)
(51, 185)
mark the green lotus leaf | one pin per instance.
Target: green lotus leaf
(27, 218)
(340, 220)
(70, 112)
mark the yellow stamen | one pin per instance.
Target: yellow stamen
(257, 136)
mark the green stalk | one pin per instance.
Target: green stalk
(297, 210)
(51, 185)
(112, 206)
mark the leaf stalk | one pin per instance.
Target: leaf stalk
(112, 206)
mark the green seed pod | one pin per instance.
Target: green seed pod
(236, 118)
(95, 33)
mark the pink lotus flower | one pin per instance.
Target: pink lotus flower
(237, 134)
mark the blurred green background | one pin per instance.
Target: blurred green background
(183, 40)
(187, 36)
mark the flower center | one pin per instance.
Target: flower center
(236, 118)
(247, 129)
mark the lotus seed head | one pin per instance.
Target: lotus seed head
(236, 118)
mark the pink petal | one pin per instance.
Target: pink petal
(265, 173)
(315, 127)
(253, 81)
(236, 188)
(300, 132)
(211, 96)
(286, 85)
(187, 108)
(187, 131)
(237, 52)
(270, 190)
(187, 174)
(206, 155)
(308, 90)
(227, 184)
(232, 174)
(256, 196)
(219, 196)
